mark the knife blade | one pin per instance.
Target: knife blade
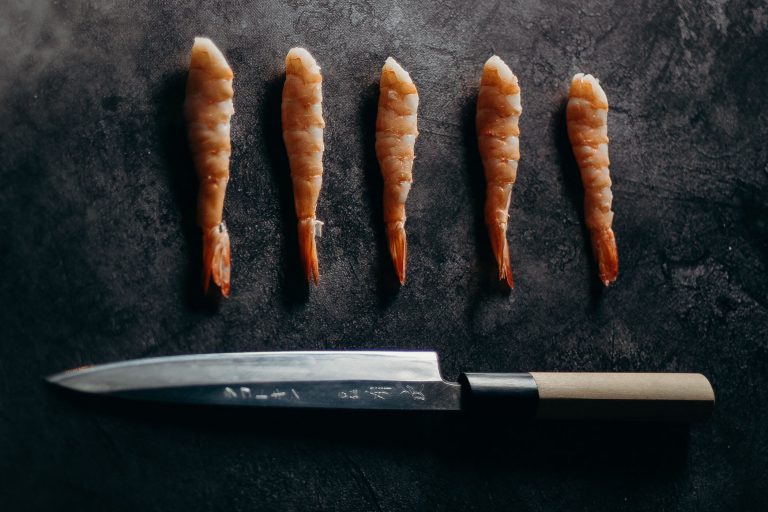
(391, 380)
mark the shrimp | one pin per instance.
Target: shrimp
(498, 113)
(302, 118)
(395, 138)
(587, 119)
(208, 109)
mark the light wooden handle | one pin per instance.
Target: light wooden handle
(624, 396)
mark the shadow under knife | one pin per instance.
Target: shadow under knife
(492, 443)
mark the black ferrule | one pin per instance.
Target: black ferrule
(500, 393)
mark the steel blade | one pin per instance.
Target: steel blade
(337, 380)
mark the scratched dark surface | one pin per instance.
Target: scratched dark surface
(101, 253)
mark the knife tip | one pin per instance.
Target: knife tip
(58, 379)
(54, 379)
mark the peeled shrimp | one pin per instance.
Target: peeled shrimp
(208, 109)
(587, 119)
(498, 113)
(303, 124)
(395, 138)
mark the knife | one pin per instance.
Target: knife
(387, 380)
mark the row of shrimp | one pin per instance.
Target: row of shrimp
(498, 113)
(396, 133)
(209, 108)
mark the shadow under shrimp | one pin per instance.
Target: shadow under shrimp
(182, 180)
(487, 264)
(387, 283)
(293, 286)
(575, 192)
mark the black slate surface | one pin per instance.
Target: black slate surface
(101, 253)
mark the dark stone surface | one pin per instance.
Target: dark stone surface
(101, 253)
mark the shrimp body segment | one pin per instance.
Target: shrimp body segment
(396, 134)
(302, 120)
(587, 120)
(207, 110)
(498, 114)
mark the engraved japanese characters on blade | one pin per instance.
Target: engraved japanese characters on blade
(383, 393)
(245, 393)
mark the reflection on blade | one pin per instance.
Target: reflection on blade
(348, 380)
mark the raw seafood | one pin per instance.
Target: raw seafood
(587, 119)
(208, 109)
(498, 113)
(302, 118)
(395, 139)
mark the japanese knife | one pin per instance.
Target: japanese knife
(393, 381)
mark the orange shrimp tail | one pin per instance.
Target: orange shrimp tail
(500, 245)
(398, 248)
(217, 258)
(604, 247)
(307, 248)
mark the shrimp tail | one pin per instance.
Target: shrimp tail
(604, 247)
(217, 258)
(308, 228)
(500, 245)
(398, 248)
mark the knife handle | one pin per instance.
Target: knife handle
(682, 397)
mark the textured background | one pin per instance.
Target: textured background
(101, 252)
